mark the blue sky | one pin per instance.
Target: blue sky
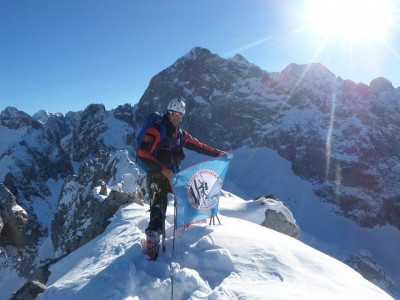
(63, 55)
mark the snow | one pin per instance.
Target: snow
(45, 208)
(258, 172)
(17, 209)
(9, 279)
(9, 139)
(45, 253)
(254, 210)
(97, 195)
(42, 116)
(115, 137)
(239, 259)
(127, 173)
(236, 260)
(200, 100)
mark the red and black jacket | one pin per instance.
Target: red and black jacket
(157, 154)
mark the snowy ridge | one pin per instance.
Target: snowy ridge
(236, 260)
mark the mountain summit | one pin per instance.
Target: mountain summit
(340, 135)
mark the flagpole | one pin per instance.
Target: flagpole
(173, 250)
(212, 219)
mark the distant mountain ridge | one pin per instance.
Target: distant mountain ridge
(340, 136)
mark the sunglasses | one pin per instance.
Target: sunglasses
(175, 113)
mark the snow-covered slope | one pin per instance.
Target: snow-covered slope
(236, 260)
(258, 172)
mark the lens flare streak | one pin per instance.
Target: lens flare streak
(328, 145)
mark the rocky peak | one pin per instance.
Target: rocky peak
(42, 116)
(124, 113)
(94, 113)
(54, 123)
(85, 136)
(72, 119)
(209, 84)
(381, 84)
(198, 67)
(311, 76)
(241, 59)
(294, 71)
(13, 118)
(198, 53)
(93, 132)
(312, 70)
(196, 63)
(93, 109)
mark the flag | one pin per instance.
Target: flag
(197, 190)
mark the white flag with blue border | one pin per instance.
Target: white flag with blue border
(197, 190)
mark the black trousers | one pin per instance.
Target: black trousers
(158, 187)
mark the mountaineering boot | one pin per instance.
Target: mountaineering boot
(152, 244)
(153, 232)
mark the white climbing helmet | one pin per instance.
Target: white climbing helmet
(177, 105)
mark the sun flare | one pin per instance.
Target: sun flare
(352, 20)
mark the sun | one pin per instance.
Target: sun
(351, 20)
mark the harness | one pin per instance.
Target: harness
(173, 147)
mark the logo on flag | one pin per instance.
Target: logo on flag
(203, 189)
(197, 190)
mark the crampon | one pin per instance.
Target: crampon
(152, 246)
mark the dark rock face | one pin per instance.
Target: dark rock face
(279, 218)
(278, 222)
(14, 220)
(29, 291)
(86, 133)
(364, 263)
